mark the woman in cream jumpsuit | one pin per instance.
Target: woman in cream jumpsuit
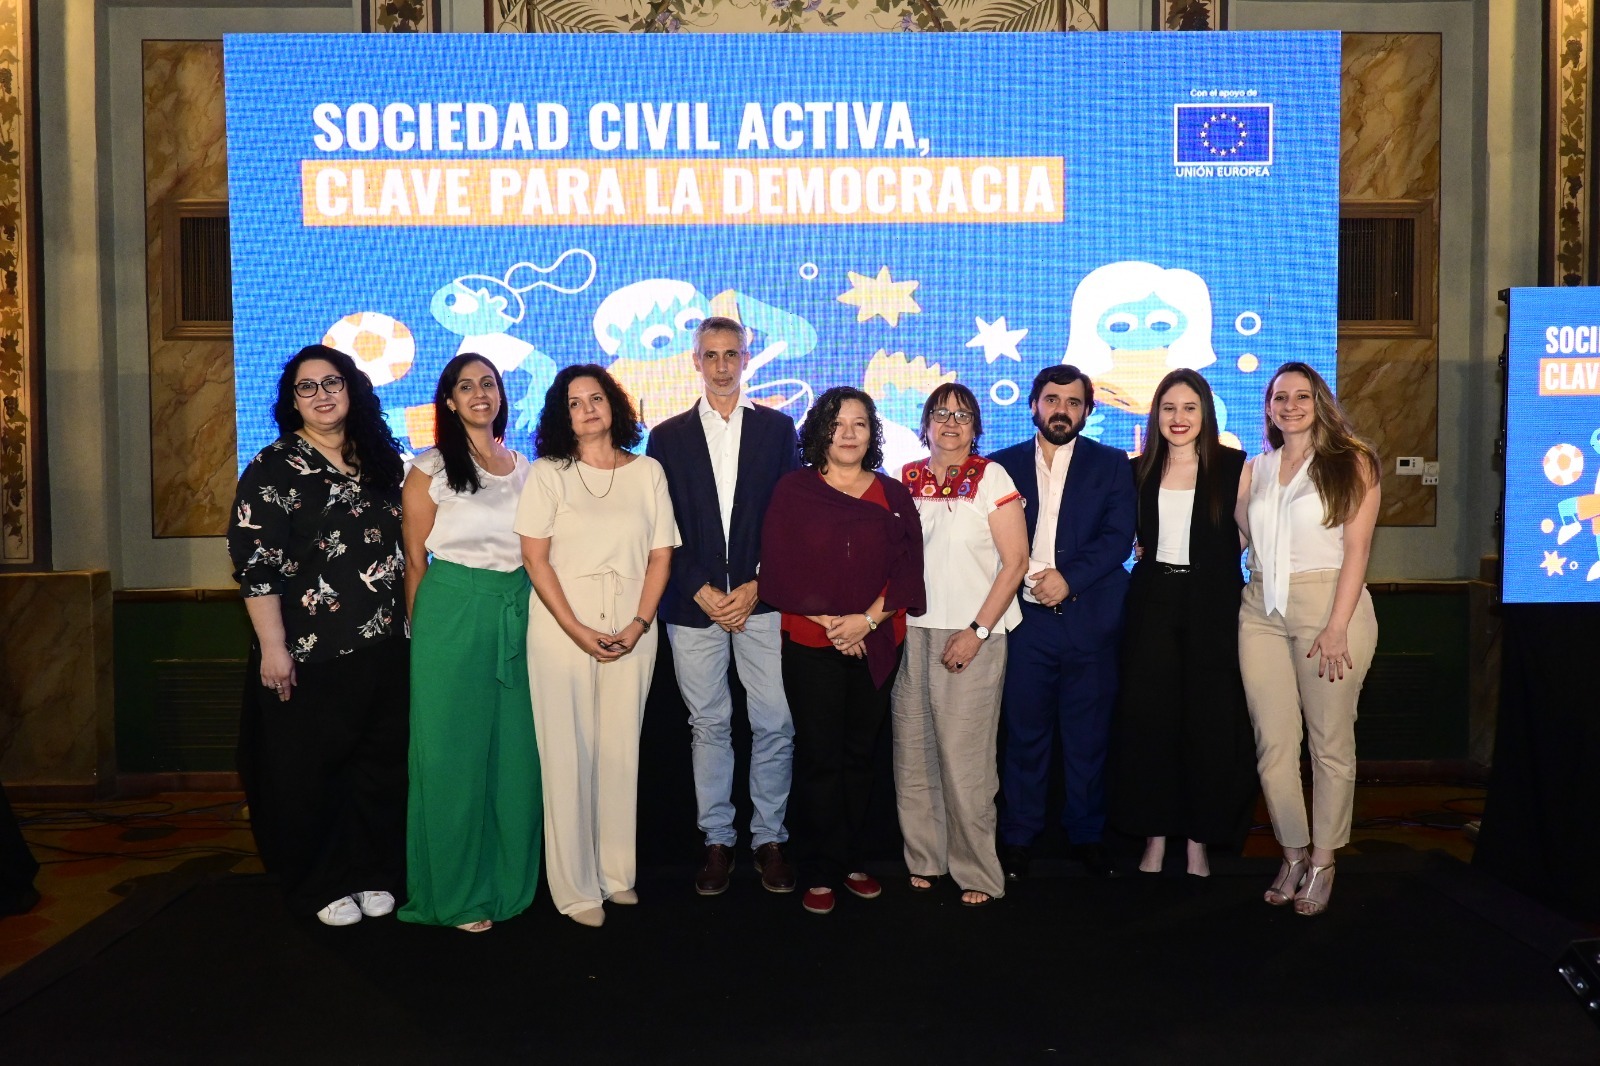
(597, 538)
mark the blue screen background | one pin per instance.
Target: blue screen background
(1552, 500)
(1112, 106)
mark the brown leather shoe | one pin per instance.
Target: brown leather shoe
(712, 880)
(776, 873)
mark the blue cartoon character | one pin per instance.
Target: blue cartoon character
(1576, 510)
(480, 309)
(647, 327)
(1132, 322)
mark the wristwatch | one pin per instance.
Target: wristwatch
(872, 627)
(982, 631)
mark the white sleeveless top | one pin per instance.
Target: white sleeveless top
(1176, 510)
(1286, 531)
(474, 528)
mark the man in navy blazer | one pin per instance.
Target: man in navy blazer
(1061, 670)
(722, 458)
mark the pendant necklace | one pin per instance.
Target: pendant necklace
(612, 481)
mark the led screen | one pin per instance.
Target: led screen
(1552, 505)
(885, 211)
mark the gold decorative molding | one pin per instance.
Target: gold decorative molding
(400, 16)
(789, 16)
(21, 405)
(1566, 246)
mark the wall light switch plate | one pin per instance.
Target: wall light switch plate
(1408, 465)
(1430, 479)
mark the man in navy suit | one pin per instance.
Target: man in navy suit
(722, 458)
(1061, 673)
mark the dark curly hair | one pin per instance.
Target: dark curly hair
(941, 397)
(369, 446)
(554, 439)
(816, 433)
(450, 435)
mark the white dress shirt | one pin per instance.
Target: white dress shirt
(722, 442)
(1052, 480)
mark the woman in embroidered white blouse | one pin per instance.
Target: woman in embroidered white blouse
(946, 700)
(1307, 631)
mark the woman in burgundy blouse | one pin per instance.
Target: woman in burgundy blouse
(841, 557)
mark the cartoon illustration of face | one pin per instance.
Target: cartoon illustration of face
(650, 320)
(1132, 322)
(1142, 325)
(468, 307)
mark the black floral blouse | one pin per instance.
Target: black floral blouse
(326, 542)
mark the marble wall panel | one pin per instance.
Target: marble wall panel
(1390, 388)
(56, 695)
(1390, 140)
(192, 438)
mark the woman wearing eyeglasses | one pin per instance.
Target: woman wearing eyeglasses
(597, 536)
(946, 703)
(316, 549)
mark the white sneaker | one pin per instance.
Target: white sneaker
(342, 911)
(374, 904)
(1567, 531)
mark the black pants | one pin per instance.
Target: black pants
(325, 774)
(1182, 752)
(838, 717)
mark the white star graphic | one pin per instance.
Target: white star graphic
(996, 340)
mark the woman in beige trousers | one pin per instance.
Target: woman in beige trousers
(1306, 626)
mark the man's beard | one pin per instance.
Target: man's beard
(1058, 430)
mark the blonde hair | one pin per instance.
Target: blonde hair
(1341, 461)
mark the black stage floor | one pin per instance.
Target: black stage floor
(1421, 960)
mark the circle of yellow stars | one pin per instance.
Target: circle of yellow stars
(881, 296)
(1238, 129)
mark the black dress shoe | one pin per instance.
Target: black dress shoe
(1015, 861)
(1095, 859)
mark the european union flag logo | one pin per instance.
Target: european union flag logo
(1222, 133)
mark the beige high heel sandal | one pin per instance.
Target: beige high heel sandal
(1282, 892)
(1304, 902)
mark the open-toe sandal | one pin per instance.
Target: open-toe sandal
(1282, 892)
(1316, 892)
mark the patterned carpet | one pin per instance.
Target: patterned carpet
(90, 856)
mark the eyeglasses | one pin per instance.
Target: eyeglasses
(331, 384)
(944, 414)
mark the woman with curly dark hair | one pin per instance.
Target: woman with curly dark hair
(597, 537)
(841, 557)
(316, 548)
(473, 824)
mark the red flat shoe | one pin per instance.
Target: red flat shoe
(818, 900)
(863, 885)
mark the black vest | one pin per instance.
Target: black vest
(1214, 551)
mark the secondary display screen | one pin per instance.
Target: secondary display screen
(885, 211)
(1552, 504)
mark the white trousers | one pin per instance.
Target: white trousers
(586, 715)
